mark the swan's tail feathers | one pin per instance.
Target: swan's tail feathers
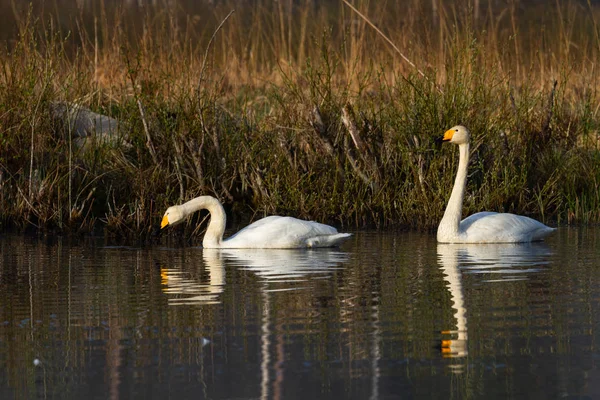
(541, 233)
(328, 240)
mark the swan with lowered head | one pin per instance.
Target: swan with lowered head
(482, 227)
(272, 232)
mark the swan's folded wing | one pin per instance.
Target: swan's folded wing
(281, 232)
(490, 227)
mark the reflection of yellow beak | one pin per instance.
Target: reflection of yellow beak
(165, 222)
(448, 135)
(446, 350)
(164, 276)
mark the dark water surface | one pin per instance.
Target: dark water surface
(387, 316)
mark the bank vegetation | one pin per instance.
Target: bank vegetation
(299, 108)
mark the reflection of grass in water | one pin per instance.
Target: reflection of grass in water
(259, 121)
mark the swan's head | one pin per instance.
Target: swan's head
(173, 216)
(457, 135)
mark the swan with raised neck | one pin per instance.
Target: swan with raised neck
(482, 227)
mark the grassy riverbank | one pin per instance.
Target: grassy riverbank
(272, 113)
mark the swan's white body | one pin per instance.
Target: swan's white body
(482, 227)
(273, 232)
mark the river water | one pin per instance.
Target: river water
(386, 316)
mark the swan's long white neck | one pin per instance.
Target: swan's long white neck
(449, 226)
(216, 227)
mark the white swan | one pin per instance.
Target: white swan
(272, 232)
(482, 227)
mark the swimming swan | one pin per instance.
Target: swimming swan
(272, 232)
(482, 227)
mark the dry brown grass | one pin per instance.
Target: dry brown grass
(264, 41)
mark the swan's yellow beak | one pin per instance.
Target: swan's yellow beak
(165, 222)
(448, 135)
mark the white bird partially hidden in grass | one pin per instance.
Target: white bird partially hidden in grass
(482, 227)
(274, 232)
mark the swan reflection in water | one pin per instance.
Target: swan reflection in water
(286, 266)
(498, 263)
(185, 288)
(271, 265)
